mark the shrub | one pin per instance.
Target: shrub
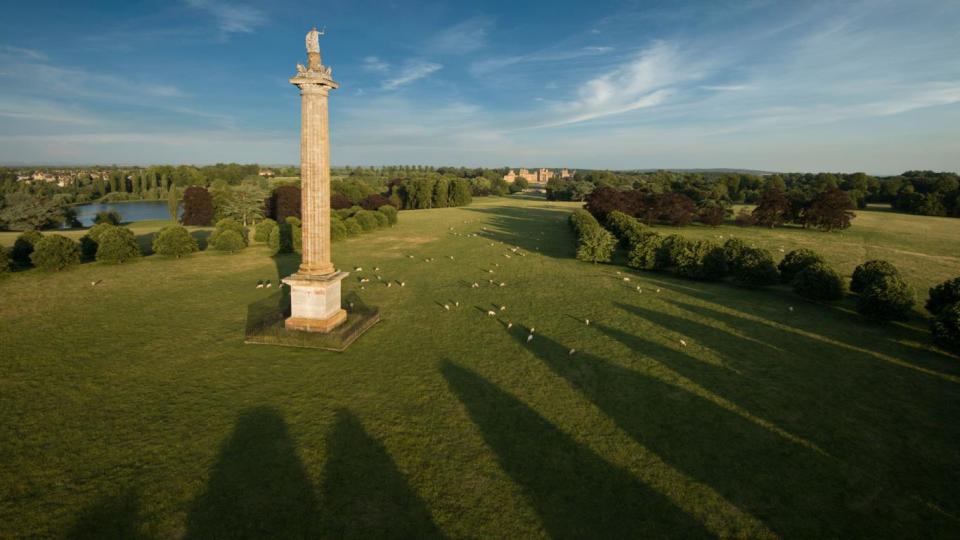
(818, 282)
(943, 295)
(671, 250)
(644, 254)
(628, 229)
(390, 211)
(197, 206)
(946, 327)
(23, 247)
(700, 260)
(594, 243)
(4, 260)
(886, 298)
(55, 252)
(712, 215)
(285, 202)
(870, 272)
(366, 220)
(230, 224)
(117, 244)
(353, 226)
(229, 240)
(338, 231)
(111, 217)
(797, 260)
(296, 234)
(91, 241)
(752, 267)
(344, 213)
(732, 251)
(263, 229)
(174, 241)
(382, 219)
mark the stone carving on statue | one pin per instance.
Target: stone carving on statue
(313, 40)
(301, 70)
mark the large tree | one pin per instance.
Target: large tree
(197, 206)
(772, 209)
(829, 210)
(27, 212)
(244, 204)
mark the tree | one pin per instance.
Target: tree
(173, 204)
(602, 201)
(5, 264)
(111, 217)
(174, 241)
(339, 201)
(521, 183)
(91, 241)
(712, 215)
(285, 202)
(390, 211)
(55, 252)
(197, 206)
(25, 212)
(773, 208)
(230, 241)
(374, 201)
(245, 204)
(752, 267)
(366, 220)
(460, 192)
(117, 245)
(829, 210)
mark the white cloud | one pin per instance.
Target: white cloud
(464, 37)
(412, 71)
(41, 110)
(21, 52)
(482, 68)
(231, 18)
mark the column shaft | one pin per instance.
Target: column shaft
(315, 180)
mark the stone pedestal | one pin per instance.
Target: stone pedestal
(315, 302)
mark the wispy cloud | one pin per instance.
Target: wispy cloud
(41, 110)
(412, 71)
(230, 17)
(486, 66)
(646, 80)
(30, 54)
(375, 65)
(464, 37)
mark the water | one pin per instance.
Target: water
(129, 211)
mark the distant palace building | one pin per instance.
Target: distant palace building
(540, 176)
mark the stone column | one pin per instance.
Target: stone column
(315, 288)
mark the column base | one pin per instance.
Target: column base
(315, 302)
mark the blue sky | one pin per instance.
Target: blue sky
(809, 86)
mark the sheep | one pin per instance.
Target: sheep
(587, 321)
(626, 279)
(491, 313)
(503, 308)
(572, 351)
(358, 269)
(259, 284)
(457, 303)
(269, 284)
(403, 283)
(389, 284)
(509, 325)
(446, 307)
(502, 284)
(790, 309)
(529, 338)
(475, 285)
(683, 343)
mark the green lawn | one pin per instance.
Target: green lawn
(133, 408)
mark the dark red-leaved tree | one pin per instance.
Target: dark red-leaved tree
(374, 201)
(773, 208)
(339, 201)
(285, 202)
(604, 200)
(676, 209)
(197, 206)
(829, 210)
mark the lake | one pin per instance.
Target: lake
(129, 211)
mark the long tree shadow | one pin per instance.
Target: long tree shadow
(576, 493)
(878, 417)
(111, 517)
(364, 494)
(532, 229)
(793, 489)
(259, 488)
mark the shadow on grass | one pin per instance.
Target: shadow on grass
(258, 488)
(364, 494)
(111, 517)
(532, 229)
(576, 493)
(793, 489)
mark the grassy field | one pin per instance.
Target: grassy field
(133, 408)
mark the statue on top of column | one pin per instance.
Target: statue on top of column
(313, 40)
